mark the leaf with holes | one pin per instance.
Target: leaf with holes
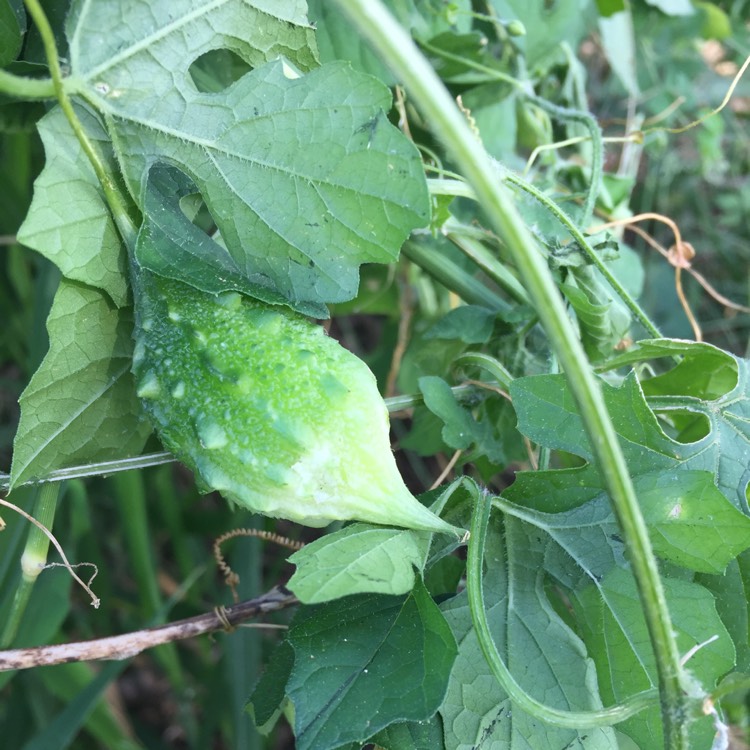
(300, 169)
(547, 415)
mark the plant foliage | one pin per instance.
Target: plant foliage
(267, 150)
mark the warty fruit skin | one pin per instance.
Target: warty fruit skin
(267, 409)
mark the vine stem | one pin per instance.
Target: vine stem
(23, 87)
(117, 205)
(427, 91)
(33, 559)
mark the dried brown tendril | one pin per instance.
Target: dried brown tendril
(230, 577)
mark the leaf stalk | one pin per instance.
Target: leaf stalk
(474, 579)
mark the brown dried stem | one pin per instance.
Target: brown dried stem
(129, 644)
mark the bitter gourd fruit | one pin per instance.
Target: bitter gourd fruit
(267, 409)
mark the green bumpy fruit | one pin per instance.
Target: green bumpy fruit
(267, 409)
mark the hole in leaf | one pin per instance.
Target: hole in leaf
(217, 69)
(195, 209)
(684, 426)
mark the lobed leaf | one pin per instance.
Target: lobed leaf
(548, 416)
(302, 172)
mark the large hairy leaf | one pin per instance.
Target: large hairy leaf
(302, 172)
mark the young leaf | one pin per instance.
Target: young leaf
(358, 559)
(461, 430)
(80, 405)
(69, 221)
(365, 662)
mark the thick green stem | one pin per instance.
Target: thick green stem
(474, 587)
(428, 93)
(22, 87)
(453, 277)
(33, 559)
(114, 196)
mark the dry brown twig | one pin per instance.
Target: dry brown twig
(679, 256)
(95, 601)
(129, 644)
(447, 470)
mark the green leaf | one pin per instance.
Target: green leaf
(703, 371)
(543, 401)
(545, 656)
(69, 221)
(461, 430)
(358, 559)
(365, 662)
(615, 633)
(10, 32)
(303, 174)
(690, 521)
(413, 735)
(170, 245)
(266, 701)
(80, 405)
(468, 323)
(731, 596)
